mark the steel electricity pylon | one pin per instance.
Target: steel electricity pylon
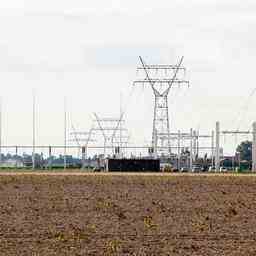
(109, 128)
(161, 78)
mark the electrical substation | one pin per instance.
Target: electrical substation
(176, 150)
(108, 144)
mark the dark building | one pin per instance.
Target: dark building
(132, 165)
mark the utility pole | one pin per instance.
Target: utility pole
(191, 150)
(34, 130)
(16, 155)
(254, 147)
(217, 152)
(194, 145)
(161, 85)
(50, 158)
(120, 127)
(65, 133)
(212, 148)
(83, 157)
(179, 150)
(197, 143)
(1, 131)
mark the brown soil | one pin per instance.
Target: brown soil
(127, 215)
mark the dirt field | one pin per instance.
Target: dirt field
(127, 214)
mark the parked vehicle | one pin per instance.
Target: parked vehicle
(184, 169)
(223, 169)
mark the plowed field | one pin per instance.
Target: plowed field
(127, 215)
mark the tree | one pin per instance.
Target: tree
(245, 150)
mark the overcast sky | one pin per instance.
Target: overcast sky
(88, 51)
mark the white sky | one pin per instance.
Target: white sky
(88, 51)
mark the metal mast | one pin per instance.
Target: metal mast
(254, 147)
(161, 85)
(0, 130)
(34, 129)
(65, 133)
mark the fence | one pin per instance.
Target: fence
(53, 156)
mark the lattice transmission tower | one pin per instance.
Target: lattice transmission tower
(161, 78)
(114, 133)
